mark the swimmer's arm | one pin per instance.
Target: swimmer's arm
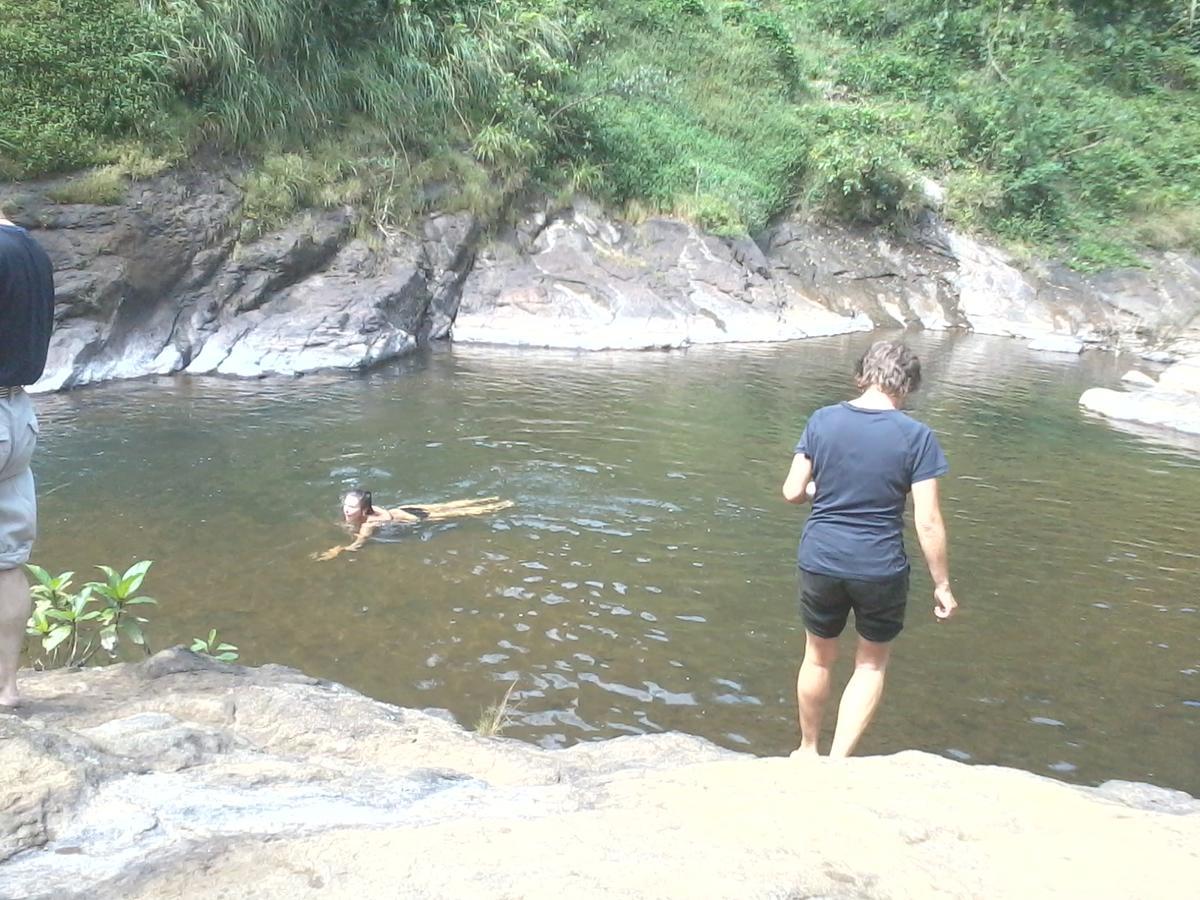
(364, 535)
(796, 488)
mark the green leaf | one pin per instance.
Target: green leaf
(60, 615)
(226, 646)
(57, 635)
(134, 630)
(226, 657)
(134, 576)
(111, 574)
(198, 645)
(42, 576)
(104, 591)
(37, 625)
(137, 601)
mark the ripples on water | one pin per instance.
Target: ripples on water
(645, 579)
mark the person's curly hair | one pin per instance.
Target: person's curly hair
(891, 366)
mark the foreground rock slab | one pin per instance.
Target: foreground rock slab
(184, 777)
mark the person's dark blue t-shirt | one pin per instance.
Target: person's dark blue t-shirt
(26, 307)
(865, 462)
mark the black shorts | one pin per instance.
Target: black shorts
(826, 601)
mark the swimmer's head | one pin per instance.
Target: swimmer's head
(356, 506)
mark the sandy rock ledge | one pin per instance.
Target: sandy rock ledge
(185, 777)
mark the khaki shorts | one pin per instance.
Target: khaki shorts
(18, 503)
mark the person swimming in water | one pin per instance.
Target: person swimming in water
(364, 518)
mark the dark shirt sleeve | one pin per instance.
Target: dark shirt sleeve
(928, 459)
(806, 444)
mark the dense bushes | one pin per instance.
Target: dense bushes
(1067, 120)
(1065, 125)
(72, 72)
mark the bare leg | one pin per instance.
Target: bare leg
(861, 697)
(812, 689)
(14, 613)
(436, 512)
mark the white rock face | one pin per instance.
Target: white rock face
(1057, 343)
(1183, 377)
(584, 282)
(163, 284)
(1141, 379)
(181, 777)
(1173, 402)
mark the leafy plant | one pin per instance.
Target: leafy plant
(72, 627)
(211, 646)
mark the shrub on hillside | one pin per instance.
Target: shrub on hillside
(73, 72)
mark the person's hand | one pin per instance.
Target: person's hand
(325, 555)
(944, 603)
(811, 489)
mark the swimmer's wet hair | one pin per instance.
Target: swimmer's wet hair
(892, 366)
(361, 498)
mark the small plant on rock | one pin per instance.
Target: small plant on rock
(496, 717)
(215, 648)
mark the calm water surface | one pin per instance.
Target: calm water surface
(645, 579)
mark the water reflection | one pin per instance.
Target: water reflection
(644, 580)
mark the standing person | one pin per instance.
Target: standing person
(26, 317)
(864, 457)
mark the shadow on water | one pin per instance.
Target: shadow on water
(645, 578)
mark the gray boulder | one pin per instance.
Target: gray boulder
(162, 284)
(578, 279)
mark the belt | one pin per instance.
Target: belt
(7, 393)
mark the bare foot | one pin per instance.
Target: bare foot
(9, 701)
(803, 752)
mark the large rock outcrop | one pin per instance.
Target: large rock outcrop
(161, 283)
(181, 776)
(1172, 402)
(576, 277)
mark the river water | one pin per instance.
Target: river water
(645, 579)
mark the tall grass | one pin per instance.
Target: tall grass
(298, 70)
(1065, 126)
(496, 717)
(693, 114)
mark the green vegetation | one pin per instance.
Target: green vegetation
(1064, 126)
(214, 647)
(99, 622)
(105, 186)
(496, 717)
(72, 627)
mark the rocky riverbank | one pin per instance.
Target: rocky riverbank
(181, 776)
(162, 283)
